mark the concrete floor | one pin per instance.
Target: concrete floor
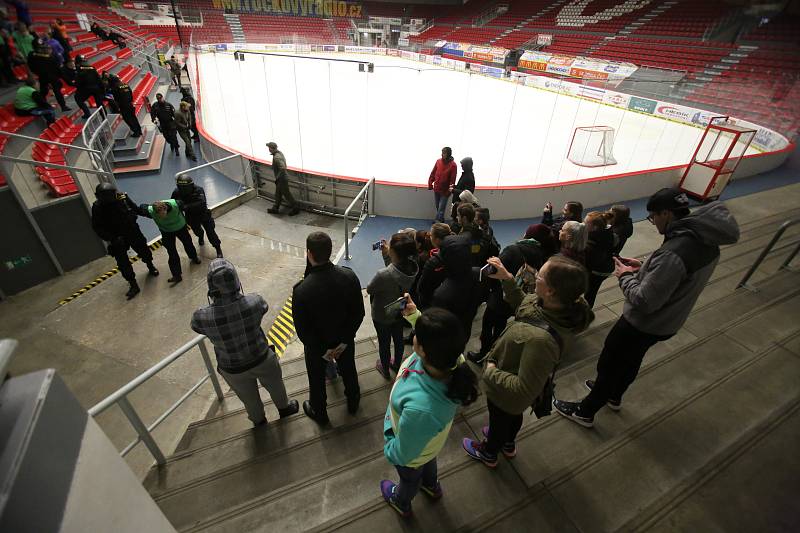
(99, 341)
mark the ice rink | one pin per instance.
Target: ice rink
(329, 118)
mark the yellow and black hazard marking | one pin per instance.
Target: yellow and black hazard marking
(282, 329)
(100, 279)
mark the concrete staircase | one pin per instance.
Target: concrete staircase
(712, 414)
(236, 27)
(647, 17)
(541, 12)
(712, 72)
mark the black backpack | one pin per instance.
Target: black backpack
(543, 404)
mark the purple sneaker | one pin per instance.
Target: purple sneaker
(509, 449)
(475, 450)
(387, 491)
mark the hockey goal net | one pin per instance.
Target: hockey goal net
(592, 146)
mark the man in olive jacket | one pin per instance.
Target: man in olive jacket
(525, 355)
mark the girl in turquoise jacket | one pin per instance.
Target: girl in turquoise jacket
(430, 386)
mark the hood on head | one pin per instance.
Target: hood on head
(223, 280)
(466, 164)
(455, 254)
(712, 223)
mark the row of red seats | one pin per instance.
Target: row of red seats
(58, 181)
(142, 90)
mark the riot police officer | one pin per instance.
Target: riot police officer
(88, 83)
(124, 97)
(163, 114)
(114, 220)
(198, 215)
(43, 64)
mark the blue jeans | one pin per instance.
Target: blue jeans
(440, 201)
(411, 479)
(388, 333)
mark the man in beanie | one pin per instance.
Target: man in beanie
(659, 294)
(196, 210)
(281, 182)
(232, 322)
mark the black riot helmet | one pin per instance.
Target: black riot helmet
(185, 183)
(105, 193)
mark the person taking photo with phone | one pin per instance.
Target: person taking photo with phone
(525, 356)
(388, 285)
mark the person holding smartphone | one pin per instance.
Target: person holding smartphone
(389, 285)
(524, 357)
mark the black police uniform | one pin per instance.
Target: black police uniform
(88, 83)
(124, 97)
(197, 213)
(165, 113)
(42, 63)
(328, 309)
(114, 221)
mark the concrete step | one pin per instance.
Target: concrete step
(678, 378)
(125, 159)
(130, 145)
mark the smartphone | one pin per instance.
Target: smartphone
(397, 305)
(485, 271)
(377, 245)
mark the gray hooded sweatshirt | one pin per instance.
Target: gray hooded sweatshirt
(660, 296)
(389, 284)
(233, 320)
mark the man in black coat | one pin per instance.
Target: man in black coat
(123, 96)
(114, 220)
(328, 308)
(189, 99)
(88, 83)
(163, 114)
(43, 64)
(196, 210)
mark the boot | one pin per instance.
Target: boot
(152, 270)
(290, 409)
(293, 212)
(201, 241)
(219, 252)
(319, 418)
(273, 210)
(175, 279)
(133, 290)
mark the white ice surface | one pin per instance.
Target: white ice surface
(328, 117)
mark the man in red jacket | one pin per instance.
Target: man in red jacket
(442, 180)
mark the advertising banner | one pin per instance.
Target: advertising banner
(616, 99)
(302, 8)
(490, 54)
(393, 52)
(644, 105)
(577, 67)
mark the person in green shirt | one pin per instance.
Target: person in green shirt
(23, 40)
(168, 217)
(29, 102)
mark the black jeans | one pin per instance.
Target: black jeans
(120, 253)
(128, 113)
(618, 365)
(412, 478)
(168, 238)
(316, 366)
(493, 323)
(503, 428)
(593, 288)
(389, 334)
(205, 222)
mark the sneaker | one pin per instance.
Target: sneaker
(509, 449)
(476, 357)
(570, 410)
(387, 491)
(290, 409)
(614, 405)
(475, 450)
(434, 493)
(382, 371)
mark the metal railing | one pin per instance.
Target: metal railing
(785, 266)
(99, 138)
(369, 200)
(144, 432)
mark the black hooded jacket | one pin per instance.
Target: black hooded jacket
(115, 219)
(455, 291)
(194, 201)
(600, 252)
(621, 235)
(467, 180)
(513, 256)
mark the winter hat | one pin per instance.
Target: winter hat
(669, 199)
(222, 279)
(467, 197)
(538, 232)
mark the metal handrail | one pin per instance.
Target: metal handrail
(120, 397)
(46, 141)
(7, 347)
(363, 191)
(785, 266)
(204, 165)
(35, 163)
